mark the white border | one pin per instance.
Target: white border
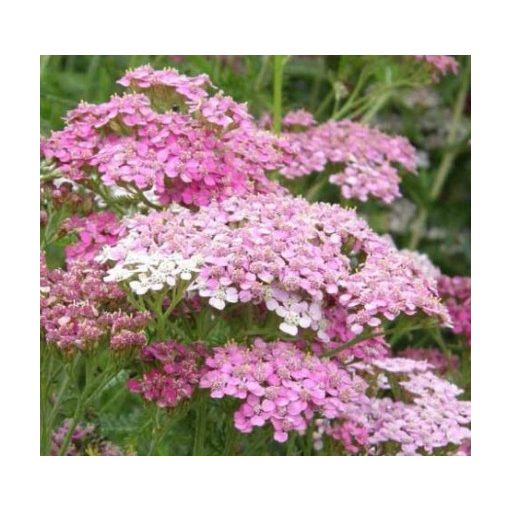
(262, 27)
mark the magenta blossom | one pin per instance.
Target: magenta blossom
(210, 149)
(79, 310)
(175, 372)
(94, 231)
(280, 385)
(369, 160)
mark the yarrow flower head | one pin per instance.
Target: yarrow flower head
(280, 385)
(165, 82)
(94, 231)
(175, 372)
(454, 291)
(369, 159)
(138, 142)
(427, 418)
(295, 258)
(298, 119)
(223, 111)
(79, 310)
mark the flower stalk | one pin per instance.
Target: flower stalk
(446, 163)
(278, 65)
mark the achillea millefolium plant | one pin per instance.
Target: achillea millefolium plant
(217, 280)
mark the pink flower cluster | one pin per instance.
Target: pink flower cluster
(298, 119)
(280, 385)
(94, 231)
(175, 374)
(370, 160)
(84, 441)
(224, 112)
(164, 82)
(456, 293)
(440, 64)
(78, 310)
(296, 258)
(212, 149)
(426, 416)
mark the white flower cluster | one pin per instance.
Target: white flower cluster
(152, 272)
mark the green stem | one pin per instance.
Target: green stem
(72, 426)
(164, 424)
(229, 439)
(139, 194)
(253, 446)
(371, 104)
(91, 390)
(200, 424)
(349, 344)
(418, 227)
(278, 63)
(314, 94)
(376, 106)
(96, 187)
(365, 336)
(436, 334)
(44, 396)
(314, 191)
(45, 60)
(262, 73)
(324, 104)
(49, 176)
(353, 95)
(121, 391)
(309, 441)
(48, 411)
(157, 307)
(200, 323)
(53, 413)
(156, 432)
(290, 444)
